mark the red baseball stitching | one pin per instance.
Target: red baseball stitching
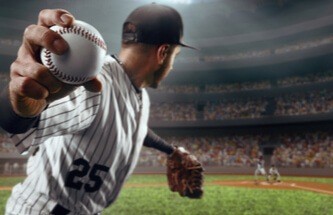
(56, 72)
(79, 31)
(86, 34)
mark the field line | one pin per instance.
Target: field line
(312, 189)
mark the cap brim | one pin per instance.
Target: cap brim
(187, 46)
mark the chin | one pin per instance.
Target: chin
(154, 86)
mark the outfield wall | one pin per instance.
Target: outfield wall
(321, 172)
(18, 165)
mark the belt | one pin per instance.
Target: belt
(60, 210)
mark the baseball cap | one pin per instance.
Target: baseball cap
(154, 24)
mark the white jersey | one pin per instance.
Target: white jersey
(88, 144)
(273, 171)
(260, 164)
(260, 167)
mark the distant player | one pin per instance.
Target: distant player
(274, 174)
(260, 169)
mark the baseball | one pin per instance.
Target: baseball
(84, 58)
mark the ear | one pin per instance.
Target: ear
(162, 53)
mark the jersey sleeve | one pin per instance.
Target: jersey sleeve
(70, 114)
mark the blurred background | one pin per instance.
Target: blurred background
(259, 85)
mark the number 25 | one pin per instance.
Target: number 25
(70, 182)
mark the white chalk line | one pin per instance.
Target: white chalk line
(291, 185)
(312, 189)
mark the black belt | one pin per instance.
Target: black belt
(59, 210)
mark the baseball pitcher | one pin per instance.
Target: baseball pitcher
(85, 139)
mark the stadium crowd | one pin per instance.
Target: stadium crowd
(314, 150)
(301, 150)
(235, 150)
(301, 45)
(304, 103)
(173, 111)
(289, 104)
(178, 88)
(318, 77)
(304, 150)
(234, 87)
(289, 81)
(235, 109)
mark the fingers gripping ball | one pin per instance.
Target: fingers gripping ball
(84, 58)
(185, 174)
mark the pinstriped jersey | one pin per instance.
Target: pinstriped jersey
(84, 147)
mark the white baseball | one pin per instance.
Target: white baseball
(84, 58)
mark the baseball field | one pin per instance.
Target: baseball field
(224, 194)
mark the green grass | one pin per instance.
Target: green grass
(10, 181)
(4, 195)
(160, 178)
(221, 200)
(217, 200)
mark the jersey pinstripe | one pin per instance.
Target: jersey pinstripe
(88, 144)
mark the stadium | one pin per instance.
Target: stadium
(259, 85)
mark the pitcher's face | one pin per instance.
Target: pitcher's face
(165, 68)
